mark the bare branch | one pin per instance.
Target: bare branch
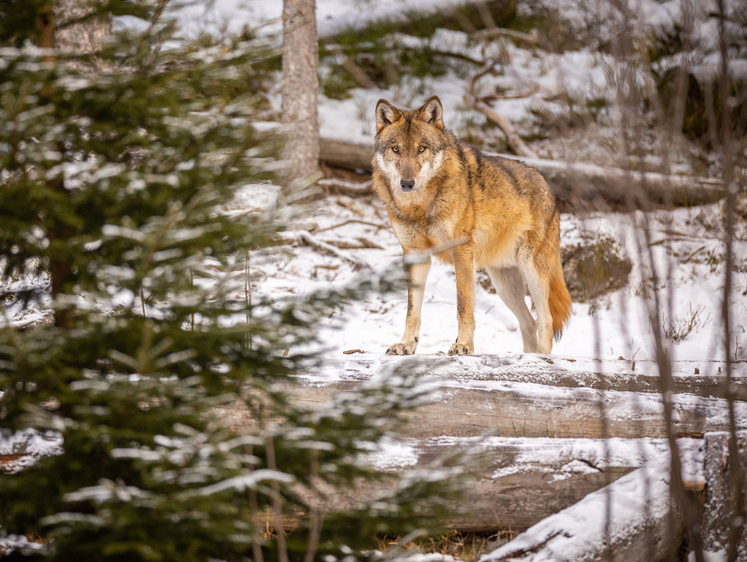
(348, 64)
(350, 221)
(488, 34)
(337, 186)
(471, 101)
(514, 140)
(509, 95)
(307, 239)
(277, 508)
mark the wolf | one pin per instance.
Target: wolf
(437, 189)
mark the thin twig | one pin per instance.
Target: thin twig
(424, 255)
(342, 187)
(513, 138)
(736, 510)
(349, 221)
(254, 506)
(277, 508)
(315, 517)
(248, 300)
(463, 21)
(308, 239)
(348, 64)
(488, 34)
(509, 95)
(452, 54)
(485, 15)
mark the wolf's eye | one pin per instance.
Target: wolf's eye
(421, 149)
(395, 149)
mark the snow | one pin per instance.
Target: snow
(587, 455)
(710, 556)
(390, 455)
(28, 445)
(21, 543)
(239, 483)
(637, 500)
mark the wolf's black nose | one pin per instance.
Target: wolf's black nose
(407, 185)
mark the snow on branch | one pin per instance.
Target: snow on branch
(239, 483)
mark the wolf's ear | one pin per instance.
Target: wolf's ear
(432, 112)
(386, 114)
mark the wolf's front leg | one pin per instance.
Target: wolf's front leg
(464, 266)
(418, 275)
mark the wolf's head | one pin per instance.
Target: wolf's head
(410, 144)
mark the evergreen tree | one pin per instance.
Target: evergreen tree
(117, 168)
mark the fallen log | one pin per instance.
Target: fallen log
(554, 371)
(516, 410)
(345, 154)
(506, 491)
(574, 183)
(524, 396)
(632, 519)
(519, 482)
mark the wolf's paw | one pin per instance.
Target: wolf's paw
(401, 349)
(461, 349)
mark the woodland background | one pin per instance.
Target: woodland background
(198, 286)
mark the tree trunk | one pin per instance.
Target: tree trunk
(300, 87)
(45, 26)
(60, 272)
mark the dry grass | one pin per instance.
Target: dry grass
(464, 546)
(678, 328)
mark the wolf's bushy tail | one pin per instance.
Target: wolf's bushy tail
(560, 302)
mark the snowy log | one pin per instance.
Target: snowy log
(518, 482)
(632, 519)
(536, 396)
(539, 413)
(515, 482)
(571, 182)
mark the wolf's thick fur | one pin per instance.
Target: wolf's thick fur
(437, 189)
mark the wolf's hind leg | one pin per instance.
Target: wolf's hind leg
(539, 288)
(415, 292)
(509, 284)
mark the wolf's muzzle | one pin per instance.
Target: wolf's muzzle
(407, 185)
